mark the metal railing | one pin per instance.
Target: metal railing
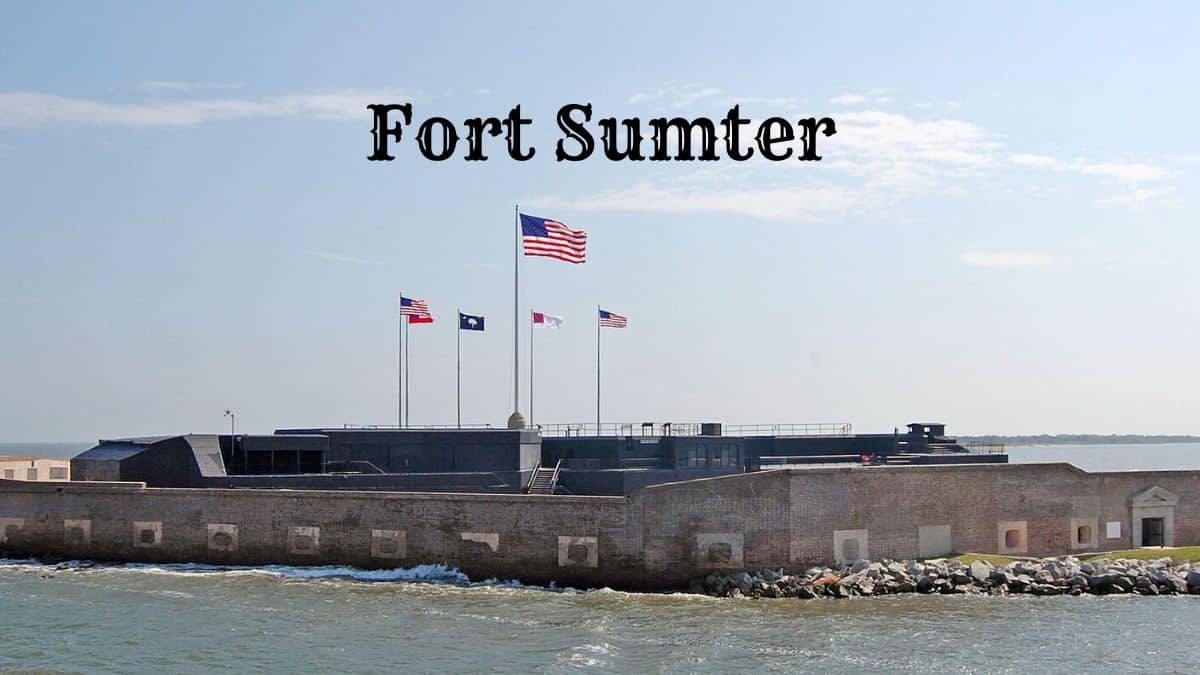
(413, 427)
(660, 429)
(635, 429)
(554, 476)
(981, 448)
(807, 462)
(640, 429)
(532, 475)
(805, 429)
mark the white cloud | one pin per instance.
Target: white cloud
(171, 85)
(848, 99)
(689, 98)
(897, 152)
(816, 202)
(32, 109)
(1139, 197)
(339, 258)
(1129, 172)
(877, 96)
(772, 102)
(876, 159)
(681, 96)
(1010, 260)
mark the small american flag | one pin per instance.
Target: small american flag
(611, 320)
(417, 308)
(551, 239)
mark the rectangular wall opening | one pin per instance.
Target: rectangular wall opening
(1152, 531)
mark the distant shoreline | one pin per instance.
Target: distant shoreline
(1081, 439)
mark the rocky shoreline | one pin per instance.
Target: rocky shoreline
(1050, 576)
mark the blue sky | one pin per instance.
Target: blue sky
(1000, 235)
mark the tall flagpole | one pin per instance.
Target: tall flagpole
(597, 370)
(400, 365)
(407, 349)
(516, 311)
(458, 387)
(531, 327)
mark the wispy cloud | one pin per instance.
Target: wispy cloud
(339, 258)
(20, 109)
(811, 203)
(953, 105)
(848, 99)
(176, 86)
(676, 96)
(1010, 260)
(1129, 172)
(902, 153)
(1139, 197)
(875, 160)
(877, 96)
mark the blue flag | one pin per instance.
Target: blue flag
(469, 322)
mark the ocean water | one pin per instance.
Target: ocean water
(193, 618)
(1114, 457)
(63, 450)
(186, 618)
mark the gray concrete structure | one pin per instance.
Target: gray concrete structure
(657, 538)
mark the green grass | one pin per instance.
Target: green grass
(1182, 554)
(993, 560)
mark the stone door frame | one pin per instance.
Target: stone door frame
(1153, 502)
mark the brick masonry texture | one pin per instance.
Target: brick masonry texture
(647, 541)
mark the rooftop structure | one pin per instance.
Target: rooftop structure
(580, 459)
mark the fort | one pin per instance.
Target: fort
(249, 500)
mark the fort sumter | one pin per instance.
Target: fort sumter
(637, 506)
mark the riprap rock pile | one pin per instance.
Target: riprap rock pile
(1050, 576)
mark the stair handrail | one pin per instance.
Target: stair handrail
(554, 477)
(533, 475)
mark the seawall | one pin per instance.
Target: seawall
(657, 538)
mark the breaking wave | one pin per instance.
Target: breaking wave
(433, 574)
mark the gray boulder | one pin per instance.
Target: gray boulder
(981, 571)
(1193, 580)
(1045, 589)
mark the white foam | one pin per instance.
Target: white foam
(420, 573)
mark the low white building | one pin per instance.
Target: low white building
(34, 468)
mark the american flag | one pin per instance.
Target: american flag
(612, 320)
(417, 308)
(551, 239)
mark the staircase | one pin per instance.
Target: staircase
(544, 480)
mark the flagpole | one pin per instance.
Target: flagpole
(531, 327)
(400, 365)
(458, 387)
(516, 312)
(597, 370)
(407, 371)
